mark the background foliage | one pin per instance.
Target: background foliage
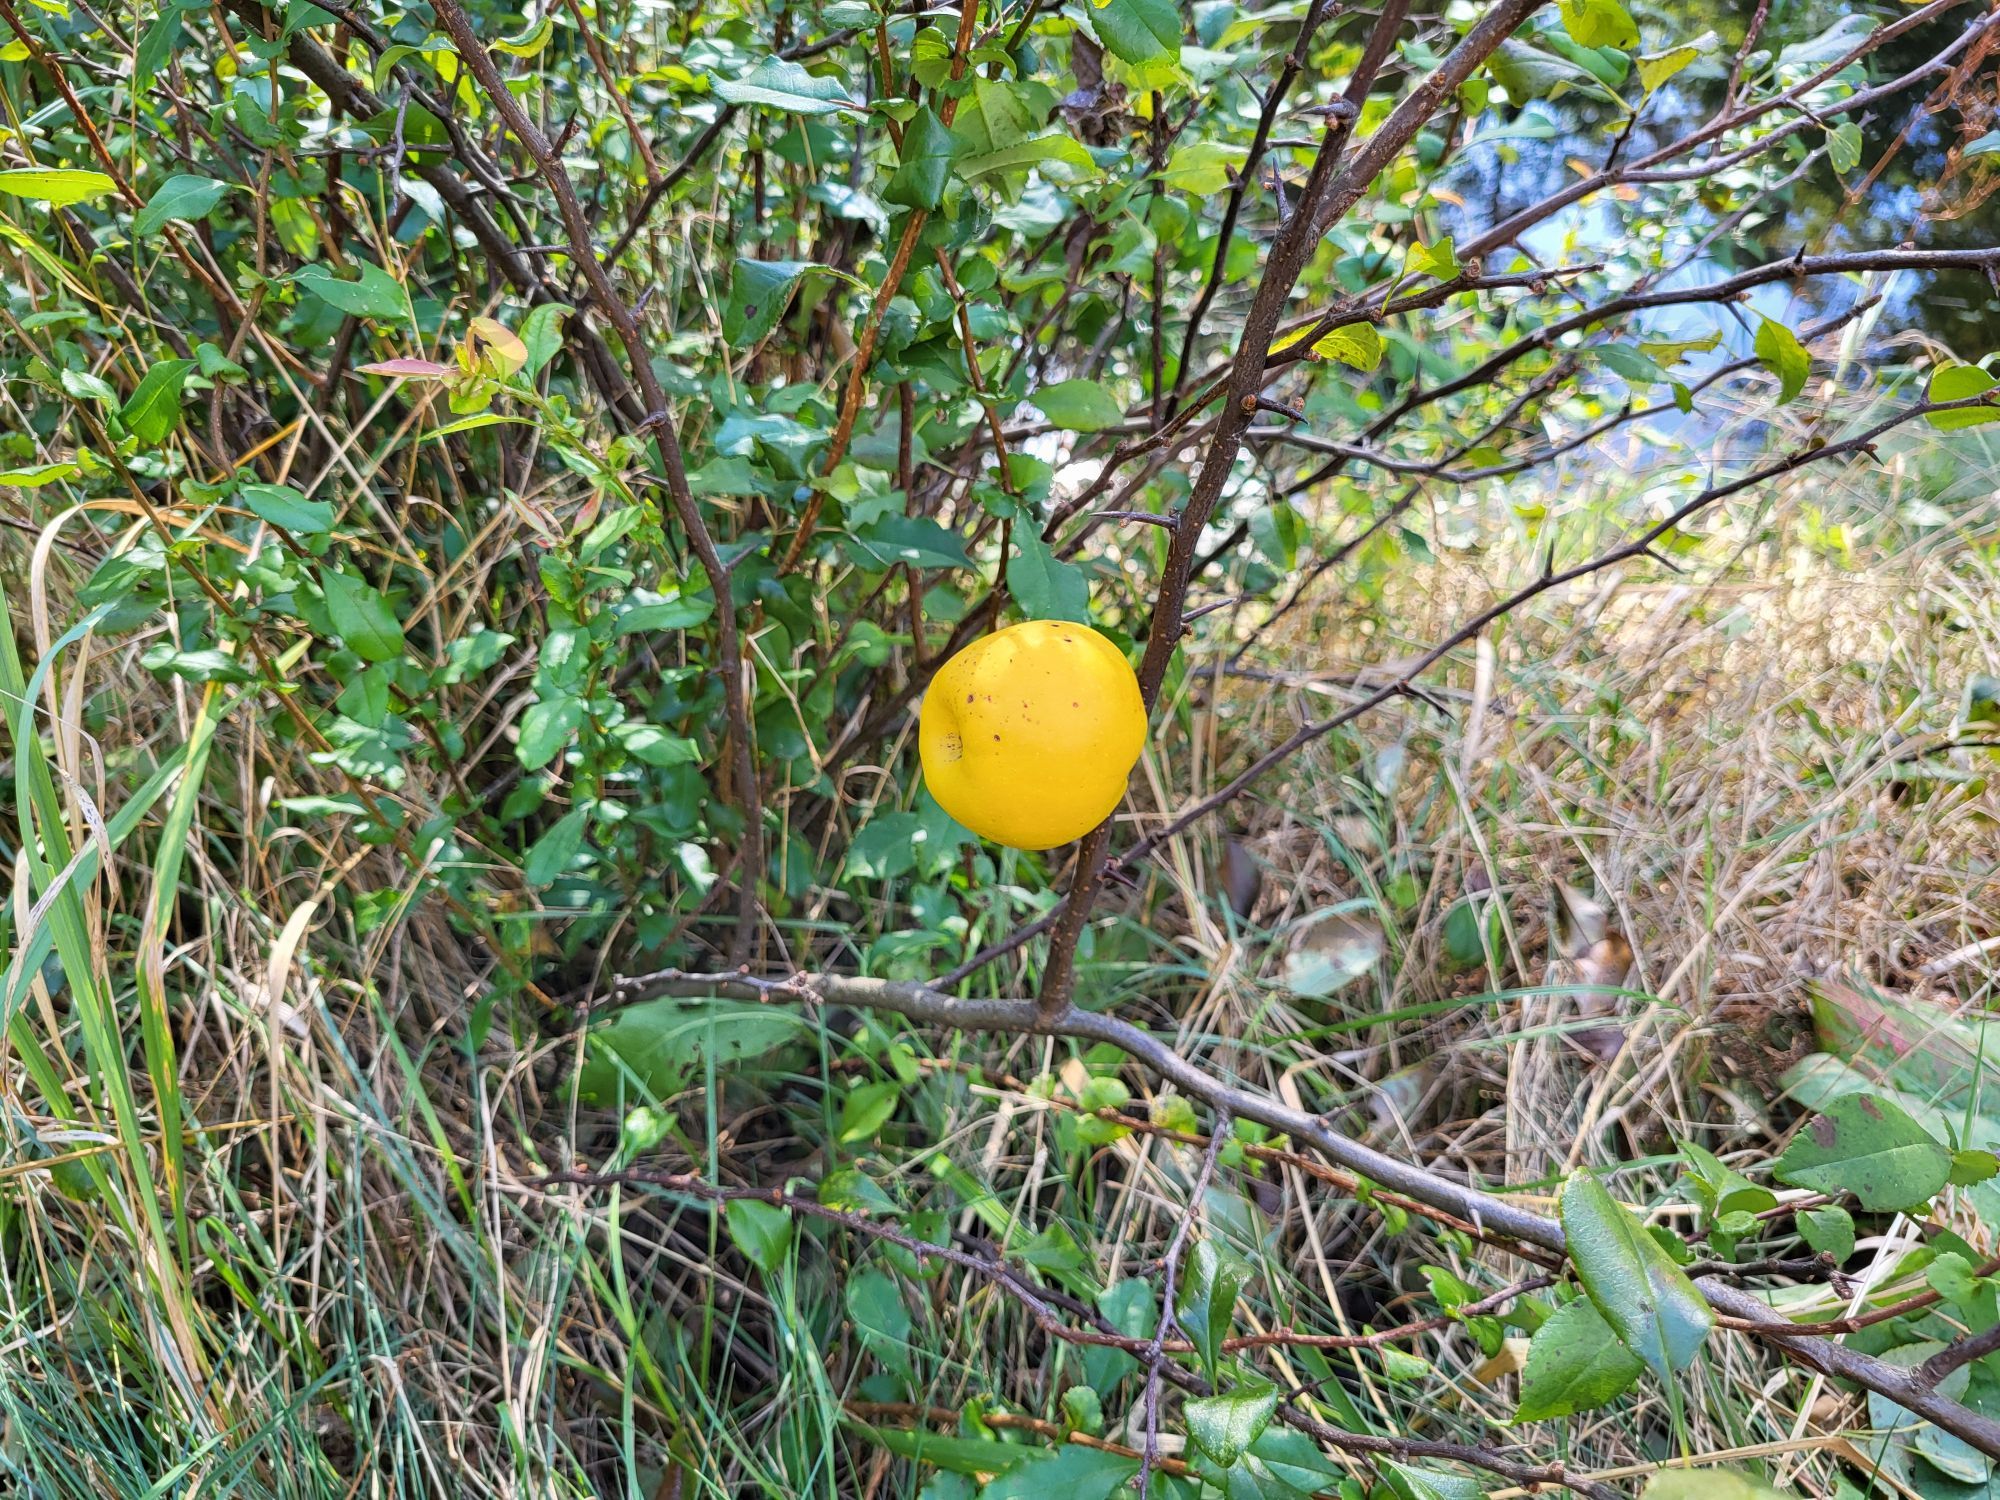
(484, 491)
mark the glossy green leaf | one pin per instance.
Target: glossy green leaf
(762, 1231)
(1598, 23)
(1656, 68)
(1828, 1231)
(1778, 349)
(1867, 1146)
(1575, 1363)
(1416, 1482)
(1078, 405)
(181, 197)
(1139, 30)
(56, 186)
(1045, 587)
(1648, 1301)
(284, 506)
(371, 293)
(875, 1305)
(1211, 1281)
(924, 165)
(556, 850)
(362, 617)
(779, 84)
(1356, 345)
(154, 408)
(1961, 383)
(1225, 1425)
(651, 1050)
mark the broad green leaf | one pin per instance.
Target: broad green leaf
(1829, 1231)
(546, 727)
(1211, 1280)
(1867, 1146)
(1843, 147)
(1045, 587)
(1527, 72)
(1972, 1166)
(658, 1046)
(867, 1109)
(651, 745)
(875, 1304)
(1439, 260)
(1648, 1301)
(924, 165)
(758, 292)
(36, 475)
(1709, 1484)
(374, 293)
(1226, 1425)
(776, 83)
(362, 617)
(1598, 23)
(1575, 1363)
(1072, 1472)
(1409, 1482)
(762, 1231)
(1078, 405)
(1354, 344)
(1139, 30)
(284, 506)
(154, 407)
(181, 197)
(530, 42)
(56, 186)
(1961, 383)
(1655, 68)
(1043, 151)
(1203, 168)
(541, 334)
(1628, 363)
(1779, 351)
(551, 855)
(917, 541)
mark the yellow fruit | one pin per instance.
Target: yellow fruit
(1028, 735)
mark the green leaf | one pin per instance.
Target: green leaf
(56, 186)
(551, 855)
(1869, 1147)
(1598, 23)
(876, 1307)
(1053, 149)
(924, 165)
(916, 540)
(36, 475)
(762, 1231)
(1224, 1426)
(866, 1109)
(1709, 1484)
(1072, 1472)
(1354, 344)
(1527, 72)
(182, 197)
(778, 84)
(1203, 168)
(1138, 31)
(1210, 1283)
(1078, 405)
(374, 294)
(1439, 260)
(1044, 586)
(541, 334)
(285, 507)
(758, 293)
(546, 727)
(658, 1046)
(155, 47)
(1972, 1166)
(1961, 383)
(1779, 351)
(1843, 147)
(530, 42)
(362, 617)
(1408, 1482)
(1829, 1231)
(1723, 1189)
(1648, 1301)
(1628, 363)
(651, 745)
(154, 408)
(1575, 1363)
(1655, 68)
